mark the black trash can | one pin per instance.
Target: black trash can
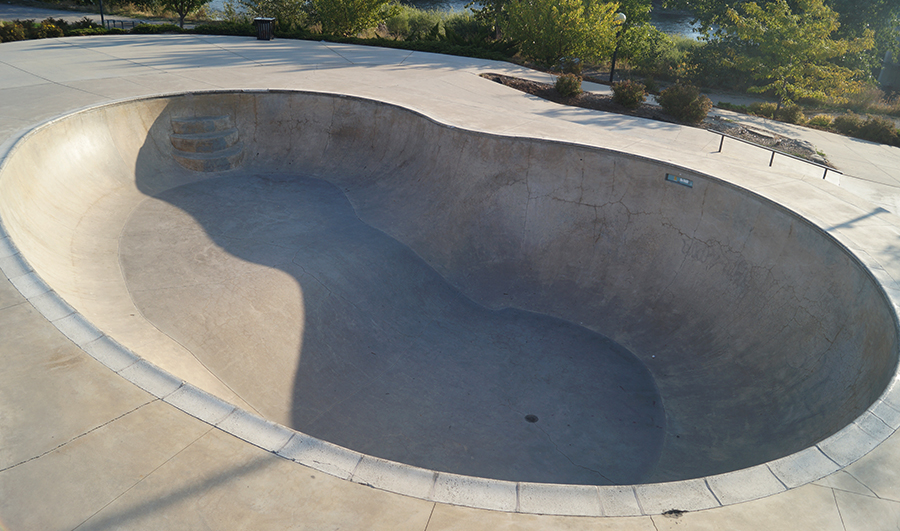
(265, 28)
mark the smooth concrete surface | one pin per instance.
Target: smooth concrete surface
(855, 491)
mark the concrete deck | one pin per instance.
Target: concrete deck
(81, 447)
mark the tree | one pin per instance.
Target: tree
(788, 52)
(856, 18)
(637, 11)
(287, 13)
(184, 7)
(492, 12)
(550, 30)
(350, 17)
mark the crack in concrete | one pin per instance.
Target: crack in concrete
(144, 477)
(75, 438)
(838, 507)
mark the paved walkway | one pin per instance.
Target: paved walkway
(81, 448)
(14, 12)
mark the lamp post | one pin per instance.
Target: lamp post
(620, 21)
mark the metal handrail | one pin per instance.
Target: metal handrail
(774, 151)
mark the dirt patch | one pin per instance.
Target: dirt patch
(605, 103)
(587, 100)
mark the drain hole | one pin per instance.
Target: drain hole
(531, 418)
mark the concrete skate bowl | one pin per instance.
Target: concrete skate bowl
(468, 318)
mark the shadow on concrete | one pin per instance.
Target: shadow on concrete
(393, 360)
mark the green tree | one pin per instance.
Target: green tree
(184, 7)
(350, 17)
(492, 12)
(856, 18)
(287, 13)
(637, 11)
(789, 52)
(550, 30)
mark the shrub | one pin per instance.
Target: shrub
(651, 85)
(847, 124)
(764, 109)
(413, 24)
(465, 28)
(245, 29)
(629, 94)
(878, 129)
(685, 103)
(791, 113)
(821, 120)
(10, 31)
(568, 84)
(350, 17)
(81, 32)
(398, 25)
(864, 98)
(653, 53)
(84, 23)
(49, 31)
(422, 23)
(156, 28)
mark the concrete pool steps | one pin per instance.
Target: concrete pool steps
(206, 143)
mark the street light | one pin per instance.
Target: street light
(620, 21)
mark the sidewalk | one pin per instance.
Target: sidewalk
(15, 12)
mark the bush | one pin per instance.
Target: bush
(245, 29)
(629, 94)
(156, 28)
(879, 129)
(350, 17)
(465, 28)
(847, 124)
(81, 32)
(764, 109)
(10, 31)
(821, 120)
(49, 31)
(791, 113)
(18, 30)
(685, 103)
(568, 84)
(653, 53)
(865, 98)
(84, 23)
